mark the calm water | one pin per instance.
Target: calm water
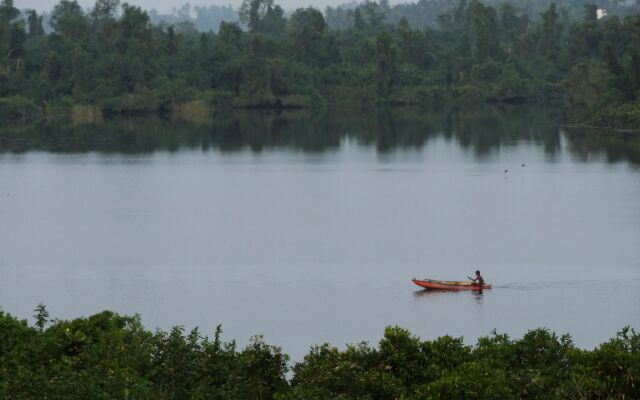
(309, 228)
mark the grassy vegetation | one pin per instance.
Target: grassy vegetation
(108, 356)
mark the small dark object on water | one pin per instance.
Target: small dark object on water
(506, 170)
(522, 165)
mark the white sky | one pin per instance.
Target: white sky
(165, 6)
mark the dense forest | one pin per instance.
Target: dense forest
(107, 356)
(111, 59)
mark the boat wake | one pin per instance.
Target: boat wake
(545, 285)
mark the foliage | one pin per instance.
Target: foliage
(113, 57)
(108, 356)
(18, 108)
(41, 316)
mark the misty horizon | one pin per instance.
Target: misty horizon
(165, 7)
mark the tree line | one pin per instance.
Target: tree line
(111, 59)
(108, 356)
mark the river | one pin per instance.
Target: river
(308, 228)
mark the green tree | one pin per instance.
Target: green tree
(634, 70)
(8, 12)
(262, 16)
(412, 45)
(17, 39)
(41, 316)
(264, 367)
(358, 21)
(619, 78)
(203, 40)
(34, 22)
(105, 9)
(104, 15)
(374, 14)
(274, 22)
(68, 20)
(512, 24)
(135, 31)
(230, 35)
(590, 12)
(306, 30)
(485, 24)
(253, 11)
(172, 41)
(386, 62)
(551, 31)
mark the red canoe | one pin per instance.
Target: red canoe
(448, 285)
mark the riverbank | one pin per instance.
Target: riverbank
(603, 130)
(111, 356)
(17, 110)
(199, 104)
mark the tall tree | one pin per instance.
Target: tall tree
(35, 23)
(619, 78)
(105, 9)
(590, 12)
(274, 22)
(512, 24)
(485, 27)
(68, 20)
(172, 41)
(8, 12)
(203, 41)
(230, 35)
(386, 62)
(551, 31)
(262, 16)
(358, 20)
(412, 45)
(53, 68)
(134, 28)
(17, 39)
(634, 71)
(306, 29)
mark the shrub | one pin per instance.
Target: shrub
(108, 356)
(19, 108)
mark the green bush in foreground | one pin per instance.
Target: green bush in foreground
(108, 356)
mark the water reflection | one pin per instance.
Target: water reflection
(614, 147)
(432, 292)
(478, 296)
(426, 293)
(482, 131)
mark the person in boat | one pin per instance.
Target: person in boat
(478, 281)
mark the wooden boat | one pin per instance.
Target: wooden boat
(433, 284)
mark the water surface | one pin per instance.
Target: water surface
(309, 228)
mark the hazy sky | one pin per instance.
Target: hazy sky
(167, 5)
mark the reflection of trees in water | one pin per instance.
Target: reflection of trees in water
(609, 146)
(483, 131)
(486, 130)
